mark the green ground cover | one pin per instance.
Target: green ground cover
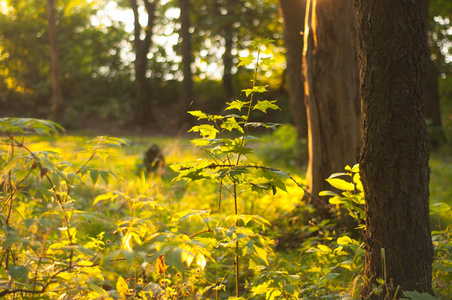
(153, 237)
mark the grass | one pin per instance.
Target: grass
(278, 150)
(319, 266)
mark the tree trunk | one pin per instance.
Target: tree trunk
(57, 103)
(432, 108)
(293, 12)
(330, 63)
(187, 91)
(395, 150)
(143, 90)
(228, 44)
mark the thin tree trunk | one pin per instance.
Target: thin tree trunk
(432, 107)
(57, 103)
(331, 85)
(143, 90)
(395, 151)
(293, 12)
(187, 90)
(228, 44)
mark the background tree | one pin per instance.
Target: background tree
(232, 8)
(143, 90)
(90, 56)
(395, 153)
(331, 85)
(187, 90)
(57, 103)
(227, 27)
(432, 103)
(293, 13)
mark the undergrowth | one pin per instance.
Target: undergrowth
(81, 220)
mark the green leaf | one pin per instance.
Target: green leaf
(47, 194)
(122, 288)
(439, 207)
(289, 288)
(344, 240)
(106, 196)
(201, 260)
(199, 114)
(265, 104)
(232, 124)
(237, 104)
(334, 175)
(18, 272)
(346, 265)
(332, 276)
(255, 89)
(272, 294)
(245, 61)
(336, 200)
(205, 130)
(273, 189)
(357, 181)
(94, 174)
(202, 142)
(71, 177)
(98, 290)
(260, 289)
(267, 61)
(324, 248)
(273, 126)
(341, 184)
(236, 149)
(21, 125)
(328, 193)
(174, 258)
(261, 253)
(276, 179)
(105, 175)
(188, 214)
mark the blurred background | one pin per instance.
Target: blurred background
(137, 66)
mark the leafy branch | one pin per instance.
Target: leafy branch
(46, 285)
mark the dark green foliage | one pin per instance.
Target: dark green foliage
(89, 57)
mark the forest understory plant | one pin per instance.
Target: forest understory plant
(225, 140)
(74, 230)
(41, 252)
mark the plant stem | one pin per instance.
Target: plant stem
(256, 68)
(237, 279)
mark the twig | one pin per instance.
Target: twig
(43, 290)
(201, 232)
(225, 166)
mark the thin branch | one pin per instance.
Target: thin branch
(201, 232)
(43, 290)
(225, 166)
(55, 192)
(39, 262)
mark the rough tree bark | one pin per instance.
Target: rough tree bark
(330, 63)
(187, 90)
(57, 100)
(143, 91)
(293, 13)
(395, 150)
